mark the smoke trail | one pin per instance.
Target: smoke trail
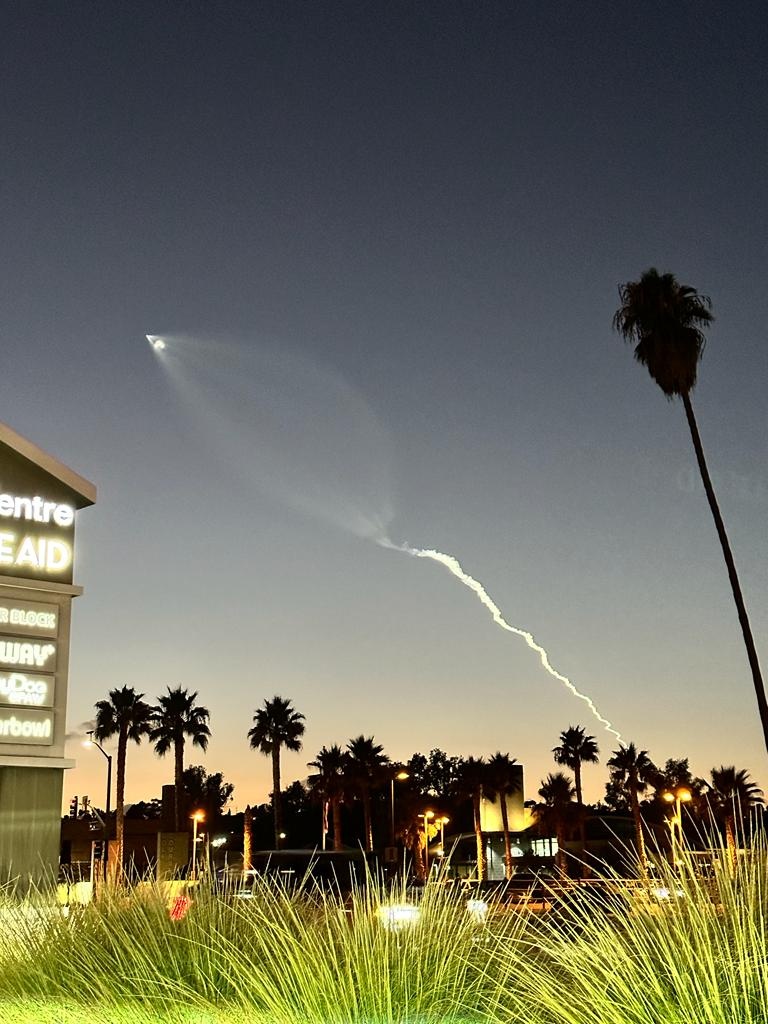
(454, 567)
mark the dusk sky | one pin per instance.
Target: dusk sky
(384, 242)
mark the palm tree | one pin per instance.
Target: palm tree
(733, 794)
(557, 793)
(632, 771)
(329, 785)
(664, 320)
(503, 779)
(175, 719)
(276, 725)
(576, 748)
(126, 716)
(473, 778)
(364, 765)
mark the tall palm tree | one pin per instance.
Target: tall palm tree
(276, 725)
(329, 785)
(576, 748)
(503, 780)
(732, 795)
(473, 778)
(365, 762)
(126, 716)
(176, 719)
(557, 793)
(664, 320)
(632, 771)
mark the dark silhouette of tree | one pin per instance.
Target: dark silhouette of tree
(503, 779)
(276, 725)
(364, 768)
(633, 771)
(435, 776)
(128, 717)
(575, 749)
(209, 793)
(176, 719)
(557, 792)
(664, 320)
(732, 795)
(470, 787)
(330, 785)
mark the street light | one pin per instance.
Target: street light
(678, 797)
(196, 817)
(91, 742)
(427, 816)
(442, 822)
(401, 777)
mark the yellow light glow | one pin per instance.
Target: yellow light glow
(402, 776)
(198, 816)
(669, 797)
(685, 795)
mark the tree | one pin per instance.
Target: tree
(329, 785)
(557, 792)
(436, 776)
(176, 719)
(365, 763)
(128, 717)
(576, 748)
(732, 795)
(664, 320)
(276, 725)
(633, 771)
(208, 793)
(503, 779)
(471, 782)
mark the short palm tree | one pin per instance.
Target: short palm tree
(557, 793)
(126, 716)
(276, 724)
(732, 795)
(329, 785)
(473, 778)
(176, 719)
(664, 320)
(365, 763)
(503, 780)
(575, 749)
(632, 771)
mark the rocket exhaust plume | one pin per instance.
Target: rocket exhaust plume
(454, 567)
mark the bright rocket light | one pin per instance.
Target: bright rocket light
(454, 567)
(155, 341)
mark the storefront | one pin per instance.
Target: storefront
(39, 500)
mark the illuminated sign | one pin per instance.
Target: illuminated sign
(30, 619)
(36, 509)
(15, 651)
(37, 553)
(26, 726)
(27, 691)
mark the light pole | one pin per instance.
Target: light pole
(91, 742)
(196, 817)
(678, 797)
(427, 816)
(401, 777)
(442, 822)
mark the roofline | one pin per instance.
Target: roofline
(82, 487)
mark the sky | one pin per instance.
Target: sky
(384, 242)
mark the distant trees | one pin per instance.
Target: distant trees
(364, 765)
(330, 785)
(632, 771)
(175, 719)
(502, 779)
(127, 716)
(209, 793)
(664, 320)
(575, 749)
(732, 795)
(276, 724)
(557, 792)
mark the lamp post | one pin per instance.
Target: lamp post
(678, 797)
(196, 817)
(442, 822)
(91, 742)
(427, 816)
(401, 777)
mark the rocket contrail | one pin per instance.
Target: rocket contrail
(454, 567)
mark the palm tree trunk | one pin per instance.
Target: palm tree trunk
(178, 780)
(368, 827)
(122, 747)
(730, 842)
(507, 840)
(248, 839)
(639, 838)
(480, 839)
(560, 834)
(277, 801)
(336, 815)
(741, 610)
(585, 872)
